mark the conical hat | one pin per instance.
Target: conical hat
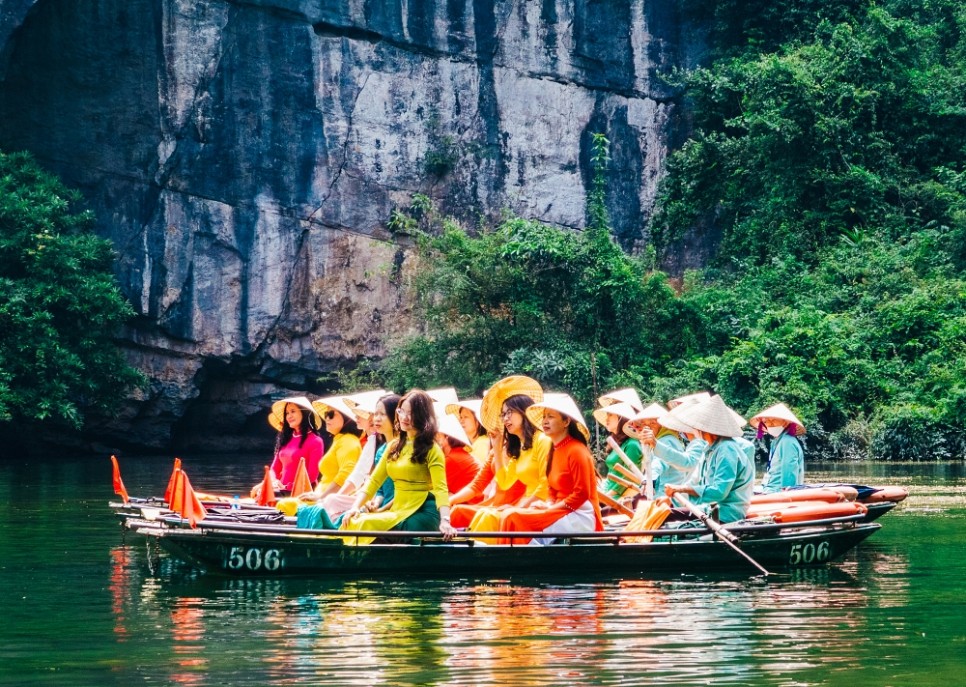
(711, 416)
(624, 410)
(443, 395)
(779, 411)
(689, 398)
(364, 403)
(652, 412)
(627, 395)
(276, 418)
(491, 408)
(449, 425)
(323, 405)
(471, 404)
(672, 419)
(563, 404)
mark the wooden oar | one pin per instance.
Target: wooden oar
(723, 534)
(627, 474)
(614, 503)
(641, 477)
(636, 471)
(625, 483)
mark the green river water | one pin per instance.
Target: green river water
(85, 605)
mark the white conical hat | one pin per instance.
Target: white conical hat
(627, 395)
(624, 410)
(449, 425)
(491, 409)
(443, 395)
(563, 404)
(276, 418)
(364, 402)
(471, 404)
(779, 411)
(689, 398)
(711, 416)
(652, 412)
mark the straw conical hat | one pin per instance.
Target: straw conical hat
(449, 425)
(627, 395)
(689, 398)
(563, 404)
(364, 402)
(276, 418)
(711, 416)
(491, 408)
(624, 410)
(779, 411)
(324, 405)
(443, 395)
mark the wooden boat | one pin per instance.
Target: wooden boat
(247, 549)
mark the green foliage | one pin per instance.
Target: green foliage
(569, 308)
(59, 303)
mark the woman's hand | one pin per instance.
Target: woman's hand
(447, 529)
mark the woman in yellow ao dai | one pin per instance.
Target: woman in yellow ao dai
(520, 457)
(418, 470)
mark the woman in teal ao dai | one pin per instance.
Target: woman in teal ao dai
(786, 458)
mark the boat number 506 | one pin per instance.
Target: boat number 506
(254, 559)
(809, 553)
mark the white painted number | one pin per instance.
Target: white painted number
(253, 559)
(809, 553)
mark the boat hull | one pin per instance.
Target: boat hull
(252, 553)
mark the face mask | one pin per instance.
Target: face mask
(775, 431)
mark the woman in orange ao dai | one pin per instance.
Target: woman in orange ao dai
(572, 504)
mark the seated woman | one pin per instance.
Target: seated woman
(329, 513)
(519, 454)
(614, 418)
(727, 475)
(572, 480)
(418, 470)
(461, 467)
(468, 413)
(337, 463)
(297, 423)
(786, 459)
(673, 462)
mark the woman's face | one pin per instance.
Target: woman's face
(513, 421)
(364, 423)
(404, 413)
(554, 425)
(469, 423)
(333, 421)
(382, 422)
(293, 415)
(613, 423)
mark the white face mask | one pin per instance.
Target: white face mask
(775, 431)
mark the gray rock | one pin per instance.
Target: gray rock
(244, 157)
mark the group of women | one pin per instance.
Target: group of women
(515, 463)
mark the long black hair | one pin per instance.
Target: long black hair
(514, 446)
(620, 436)
(423, 420)
(285, 433)
(390, 402)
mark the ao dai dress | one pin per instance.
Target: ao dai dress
(339, 460)
(286, 461)
(632, 448)
(413, 483)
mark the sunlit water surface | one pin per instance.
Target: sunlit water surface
(86, 605)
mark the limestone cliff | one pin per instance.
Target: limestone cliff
(244, 157)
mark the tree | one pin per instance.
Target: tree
(59, 304)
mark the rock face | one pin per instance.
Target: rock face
(245, 156)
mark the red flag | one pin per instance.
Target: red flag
(266, 497)
(185, 502)
(118, 482)
(302, 483)
(174, 473)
